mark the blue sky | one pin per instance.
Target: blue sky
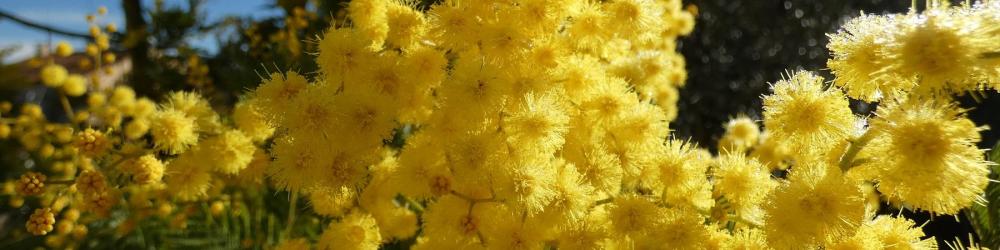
(71, 15)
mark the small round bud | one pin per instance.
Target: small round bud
(91, 182)
(217, 208)
(64, 49)
(53, 75)
(92, 143)
(41, 222)
(31, 183)
(75, 85)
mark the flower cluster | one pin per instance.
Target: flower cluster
(533, 124)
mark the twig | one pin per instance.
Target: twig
(470, 199)
(66, 106)
(60, 182)
(604, 201)
(847, 161)
(990, 55)
(25, 22)
(291, 213)
(414, 204)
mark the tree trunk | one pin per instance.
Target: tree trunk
(137, 42)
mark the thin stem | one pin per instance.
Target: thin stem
(990, 55)
(847, 161)
(126, 157)
(291, 213)
(66, 106)
(604, 201)
(470, 199)
(60, 182)
(413, 204)
(736, 218)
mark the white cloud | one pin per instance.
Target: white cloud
(25, 50)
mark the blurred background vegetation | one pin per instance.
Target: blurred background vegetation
(738, 48)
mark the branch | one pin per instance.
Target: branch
(5, 14)
(847, 161)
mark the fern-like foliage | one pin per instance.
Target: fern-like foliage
(985, 218)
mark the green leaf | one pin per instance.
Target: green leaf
(985, 218)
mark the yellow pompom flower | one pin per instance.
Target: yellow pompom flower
(588, 233)
(527, 185)
(590, 26)
(75, 85)
(332, 202)
(122, 97)
(142, 108)
(771, 152)
(538, 123)
(340, 51)
(859, 62)
(926, 157)
(679, 229)
(31, 183)
(274, 94)
(312, 112)
(136, 129)
(816, 205)
(744, 182)
(145, 169)
(228, 152)
(896, 233)
(4, 131)
(573, 197)
(357, 230)
(396, 223)
(407, 26)
(633, 215)
(173, 131)
(747, 238)
(678, 171)
(806, 115)
(453, 219)
(451, 25)
(634, 17)
(100, 203)
(41, 221)
(186, 178)
(53, 75)
(96, 99)
(91, 182)
(250, 119)
(598, 167)
(92, 49)
(363, 120)
(195, 106)
(255, 172)
(294, 164)
(423, 171)
(512, 232)
(92, 143)
(370, 18)
(64, 49)
(938, 49)
(741, 134)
